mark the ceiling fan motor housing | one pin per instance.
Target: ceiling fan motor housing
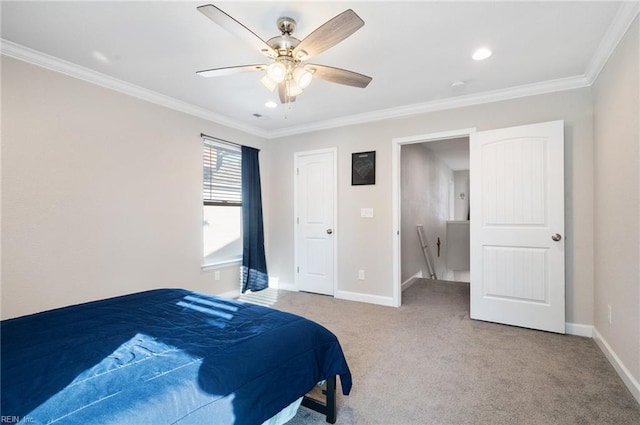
(283, 44)
(286, 25)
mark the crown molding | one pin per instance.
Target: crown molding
(621, 22)
(533, 89)
(26, 54)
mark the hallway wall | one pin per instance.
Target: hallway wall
(425, 200)
(461, 185)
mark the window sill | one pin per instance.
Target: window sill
(221, 264)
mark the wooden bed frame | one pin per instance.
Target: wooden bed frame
(328, 407)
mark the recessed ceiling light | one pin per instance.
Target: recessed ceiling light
(271, 104)
(481, 54)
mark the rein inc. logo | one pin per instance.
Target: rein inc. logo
(16, 419)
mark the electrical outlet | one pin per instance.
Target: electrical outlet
(216, 275)
(361, 274)
(609, 314)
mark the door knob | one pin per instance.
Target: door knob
(556, 237)
(329, 231)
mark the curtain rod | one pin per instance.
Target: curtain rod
(217, 139)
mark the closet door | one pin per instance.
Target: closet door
(315, 190)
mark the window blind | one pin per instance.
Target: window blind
(221, 182)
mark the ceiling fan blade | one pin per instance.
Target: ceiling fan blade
(339, 75)
(237, 29)
(230, 70)
(282, 92)
(328, 34)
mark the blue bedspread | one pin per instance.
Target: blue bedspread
(166, 356)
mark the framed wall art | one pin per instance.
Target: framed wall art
(363, 168)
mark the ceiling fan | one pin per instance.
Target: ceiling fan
(288, 72)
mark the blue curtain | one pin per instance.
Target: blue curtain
(254, 265)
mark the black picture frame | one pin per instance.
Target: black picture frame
(363, 168)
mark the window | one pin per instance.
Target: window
(222, 202)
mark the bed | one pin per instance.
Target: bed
(166, 356)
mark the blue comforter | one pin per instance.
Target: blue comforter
(166, 356)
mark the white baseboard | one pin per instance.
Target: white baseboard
(274, 283)
(407, 283)
(578, 329)
(632, 384)
(285, 287)
(364, 298)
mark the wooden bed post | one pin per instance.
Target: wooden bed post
(328, 408)
(331, 400)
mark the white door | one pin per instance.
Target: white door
(315, 232)
(517, 226)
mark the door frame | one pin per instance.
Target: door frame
(396, 144)
(336, 232)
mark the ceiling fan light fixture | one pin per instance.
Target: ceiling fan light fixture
(268, 83)
(277, 71)
(293, 89)
(302, 77)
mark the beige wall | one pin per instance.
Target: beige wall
(102, 224)
(617, 201)
(101, 193)
(367, 243)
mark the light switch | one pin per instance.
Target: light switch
(366, 212)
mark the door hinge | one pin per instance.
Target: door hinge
(297, 171)
(298, 268)
(297, 220)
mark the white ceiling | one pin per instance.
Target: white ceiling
(413, 51)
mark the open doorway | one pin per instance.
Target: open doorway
(431, 191)
(434, 210)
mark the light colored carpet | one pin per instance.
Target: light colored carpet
(428, 363)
